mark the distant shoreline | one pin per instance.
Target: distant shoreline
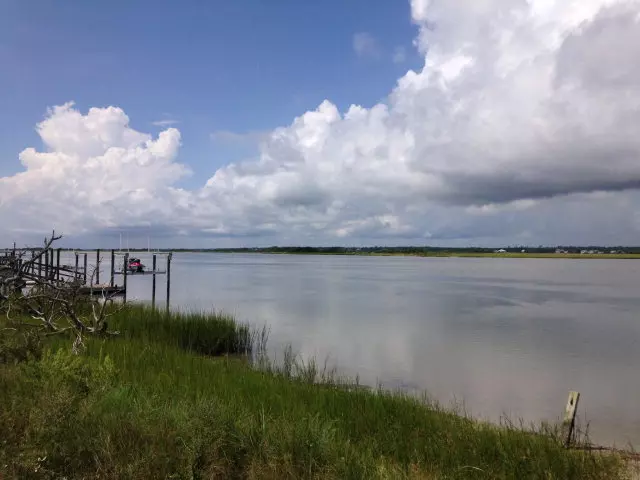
(611, 256)
(628, 253)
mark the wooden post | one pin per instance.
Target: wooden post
(168, 278)
(75, 272)
(58, 265)
(84, 275)
(113, 266)
(569, 421)
(153, 284)
(124, 273)
(33, 265)
(98, 266)
(46, 264)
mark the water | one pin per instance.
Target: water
(505, 336)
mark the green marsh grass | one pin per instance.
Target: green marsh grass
(158, 404)
(193, 331)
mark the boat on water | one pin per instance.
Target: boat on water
(135, 266)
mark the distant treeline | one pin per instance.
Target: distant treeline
(412, 250)
(406, 250)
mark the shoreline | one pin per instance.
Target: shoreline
(171, 397)
(557, 256)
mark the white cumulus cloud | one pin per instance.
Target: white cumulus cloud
(95, 172)
(523, 113)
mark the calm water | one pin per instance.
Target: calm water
(505, 336)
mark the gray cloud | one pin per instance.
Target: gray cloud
(521, 127)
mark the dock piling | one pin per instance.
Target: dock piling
(98, 266)
(153, 285)
(85, 270)
(58, 265)
(168, 278)
(113, 266)
(124, 273)
(46, 264)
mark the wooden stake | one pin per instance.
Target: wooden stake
(58, 265)
(168, 278)
(124, 273)
(98, 266)
(113, 266)
(153, 284)
(569, 421)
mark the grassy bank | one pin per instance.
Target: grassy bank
(151, 404)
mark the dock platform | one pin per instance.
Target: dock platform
(100, 289)
(44, 266)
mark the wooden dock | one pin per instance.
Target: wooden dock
(104, 289)
(48, 268)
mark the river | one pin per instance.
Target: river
(500, 336)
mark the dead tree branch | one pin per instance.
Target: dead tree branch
(55, 301)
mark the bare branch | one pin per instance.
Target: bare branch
(53, 299)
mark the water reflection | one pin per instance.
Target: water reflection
(507, 336)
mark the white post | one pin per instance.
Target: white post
(569, 421)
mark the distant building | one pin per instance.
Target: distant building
(502, 250)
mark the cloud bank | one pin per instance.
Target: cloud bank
(521, 125)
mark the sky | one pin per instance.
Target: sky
(384, 122)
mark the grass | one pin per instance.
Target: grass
(192, 331)
(154, 403)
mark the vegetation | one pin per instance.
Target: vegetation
(149, 404)
(509, 252)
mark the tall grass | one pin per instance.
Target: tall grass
(150, 405)
(198, 332)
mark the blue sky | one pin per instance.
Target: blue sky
(481, 123)
(239, 66)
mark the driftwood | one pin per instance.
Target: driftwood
(48, 303)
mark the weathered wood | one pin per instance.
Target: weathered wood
(124, 270)
(153, 284)
(168, 278)
(98, 266)
(569, 420)
(58, 265)
(46, 263)
(113, 267)
(101, 289)
(85, 270)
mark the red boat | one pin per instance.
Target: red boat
(135, 266)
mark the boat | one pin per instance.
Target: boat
(135, 266)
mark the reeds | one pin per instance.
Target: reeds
(171, 398)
